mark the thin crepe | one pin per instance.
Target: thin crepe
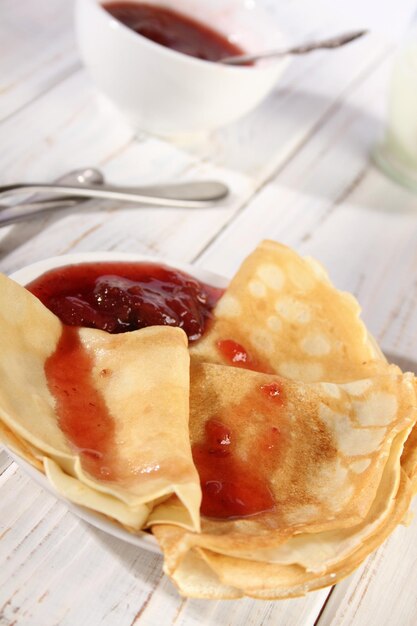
(207, 574)
(146, 397)
(271, 555)
(291, 320)
(320, 447)
(324, 431)
(203, 573)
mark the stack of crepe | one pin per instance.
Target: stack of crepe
(318, 446)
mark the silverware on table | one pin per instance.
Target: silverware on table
(87, 183)
(39, 204)
(81, 176)
(191, 194)
(332, 42)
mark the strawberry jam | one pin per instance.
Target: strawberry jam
(173, 30)
(232, 488)
(82, 412)
(239, 450)
(274, 392)
(119, 297)
(235, 354)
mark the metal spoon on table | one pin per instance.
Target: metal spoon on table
(87, 183)
(81, 176)
(190, 194)
(38, 204)
(332, 42)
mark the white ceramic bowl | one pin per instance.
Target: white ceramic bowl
(165, 92)
(25, 276)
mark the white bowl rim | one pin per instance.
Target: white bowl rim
(28, 273)
(186, 58)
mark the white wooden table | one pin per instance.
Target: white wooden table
(300, 173)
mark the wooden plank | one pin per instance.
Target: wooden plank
(37, 50)
(65, 129)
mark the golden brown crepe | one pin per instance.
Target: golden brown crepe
(302, 435)
(409, 456)
(321, 448)
(288, 319)
(207, 574)
(335, 479)
(203, 573)
(284, 311)
(149, 456)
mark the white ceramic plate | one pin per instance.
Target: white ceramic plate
(25, 276)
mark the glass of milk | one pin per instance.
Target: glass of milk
(397, 154)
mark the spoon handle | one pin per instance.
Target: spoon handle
(39, 202)
(192, 194)
(332, 42)
(29, 210)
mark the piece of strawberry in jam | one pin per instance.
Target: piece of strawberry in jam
(120, 297)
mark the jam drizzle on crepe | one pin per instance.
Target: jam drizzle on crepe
(237, 355)
(235, 485)
(274, 391)
(83, 415)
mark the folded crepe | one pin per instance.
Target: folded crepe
(105, 415)
(329, 458)
(281, 314)
(296, 437)
(204, 573)
(344, 458)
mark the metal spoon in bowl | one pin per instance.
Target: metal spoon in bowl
(333, 42)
